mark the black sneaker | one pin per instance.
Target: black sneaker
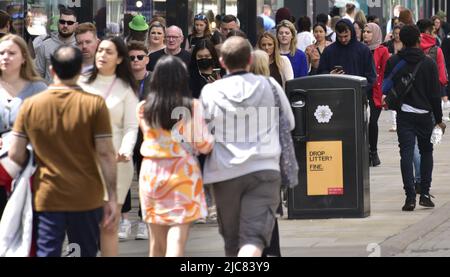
(375, 159)
(410, 204)
(425, 201)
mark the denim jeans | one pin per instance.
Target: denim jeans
(82, 228)
(411, 126)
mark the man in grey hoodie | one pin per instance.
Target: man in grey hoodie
(244, 164)
(66, 27)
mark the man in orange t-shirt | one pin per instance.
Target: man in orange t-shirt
(70, 132)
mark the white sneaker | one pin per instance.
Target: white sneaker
(445, 110)
(142, 231)
(200, 221)
(446, 105)
(124, 229)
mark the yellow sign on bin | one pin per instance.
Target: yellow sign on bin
(324, 168)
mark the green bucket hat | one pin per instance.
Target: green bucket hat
(138, 23)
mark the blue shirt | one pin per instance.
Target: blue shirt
(10, 108)
(299, 63)
(269, 23)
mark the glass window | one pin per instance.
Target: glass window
(210, 8)
(276, 4)
(231, 7)
(40, 17)
(159, 8)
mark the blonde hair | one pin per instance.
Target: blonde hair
(276, 50)
(361, 17)
(260, 65)
(288, 24)
(27, 71)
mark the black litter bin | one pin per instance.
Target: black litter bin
(331, 146)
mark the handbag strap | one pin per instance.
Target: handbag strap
(413, 77)
(275, 95)
(417, 69)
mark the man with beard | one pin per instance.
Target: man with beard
(87, 42)
(66, 27)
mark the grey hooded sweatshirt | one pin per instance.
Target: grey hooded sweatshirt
(47, 48)
(243, 146)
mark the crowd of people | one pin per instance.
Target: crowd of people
(96, 111)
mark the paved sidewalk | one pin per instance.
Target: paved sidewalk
(386, 232)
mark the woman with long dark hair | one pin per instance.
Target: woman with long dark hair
(204, 67)
(113, 79)
(170, 183)
(314, 51)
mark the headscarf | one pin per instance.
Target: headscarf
(377, 36)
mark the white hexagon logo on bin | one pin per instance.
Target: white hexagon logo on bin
(323, 114)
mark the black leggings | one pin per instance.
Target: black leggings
(373, 126)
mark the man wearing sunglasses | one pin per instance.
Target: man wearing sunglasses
(138, 54)
(66, 27)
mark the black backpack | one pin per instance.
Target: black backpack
(400, 87)
(432, 53)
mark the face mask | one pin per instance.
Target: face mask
(204, 63)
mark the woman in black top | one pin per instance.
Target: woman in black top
(204, 67)
(201, 30)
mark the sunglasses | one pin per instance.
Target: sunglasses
(17, 16)
(200, 17)
(63, 22)
(139, 57)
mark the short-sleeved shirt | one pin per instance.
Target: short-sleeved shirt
(62, 124)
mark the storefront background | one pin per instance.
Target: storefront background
(40, 17)
(112, 16)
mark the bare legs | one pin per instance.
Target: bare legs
(168, 241)
(109, 240)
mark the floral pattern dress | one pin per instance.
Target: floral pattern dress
(170, 182)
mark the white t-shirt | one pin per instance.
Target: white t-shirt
(305, 39)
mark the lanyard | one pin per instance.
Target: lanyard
(141, 89)
(108, 92)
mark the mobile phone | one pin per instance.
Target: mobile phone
(338, 68)
(216, 73)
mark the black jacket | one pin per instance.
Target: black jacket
(425, 93)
